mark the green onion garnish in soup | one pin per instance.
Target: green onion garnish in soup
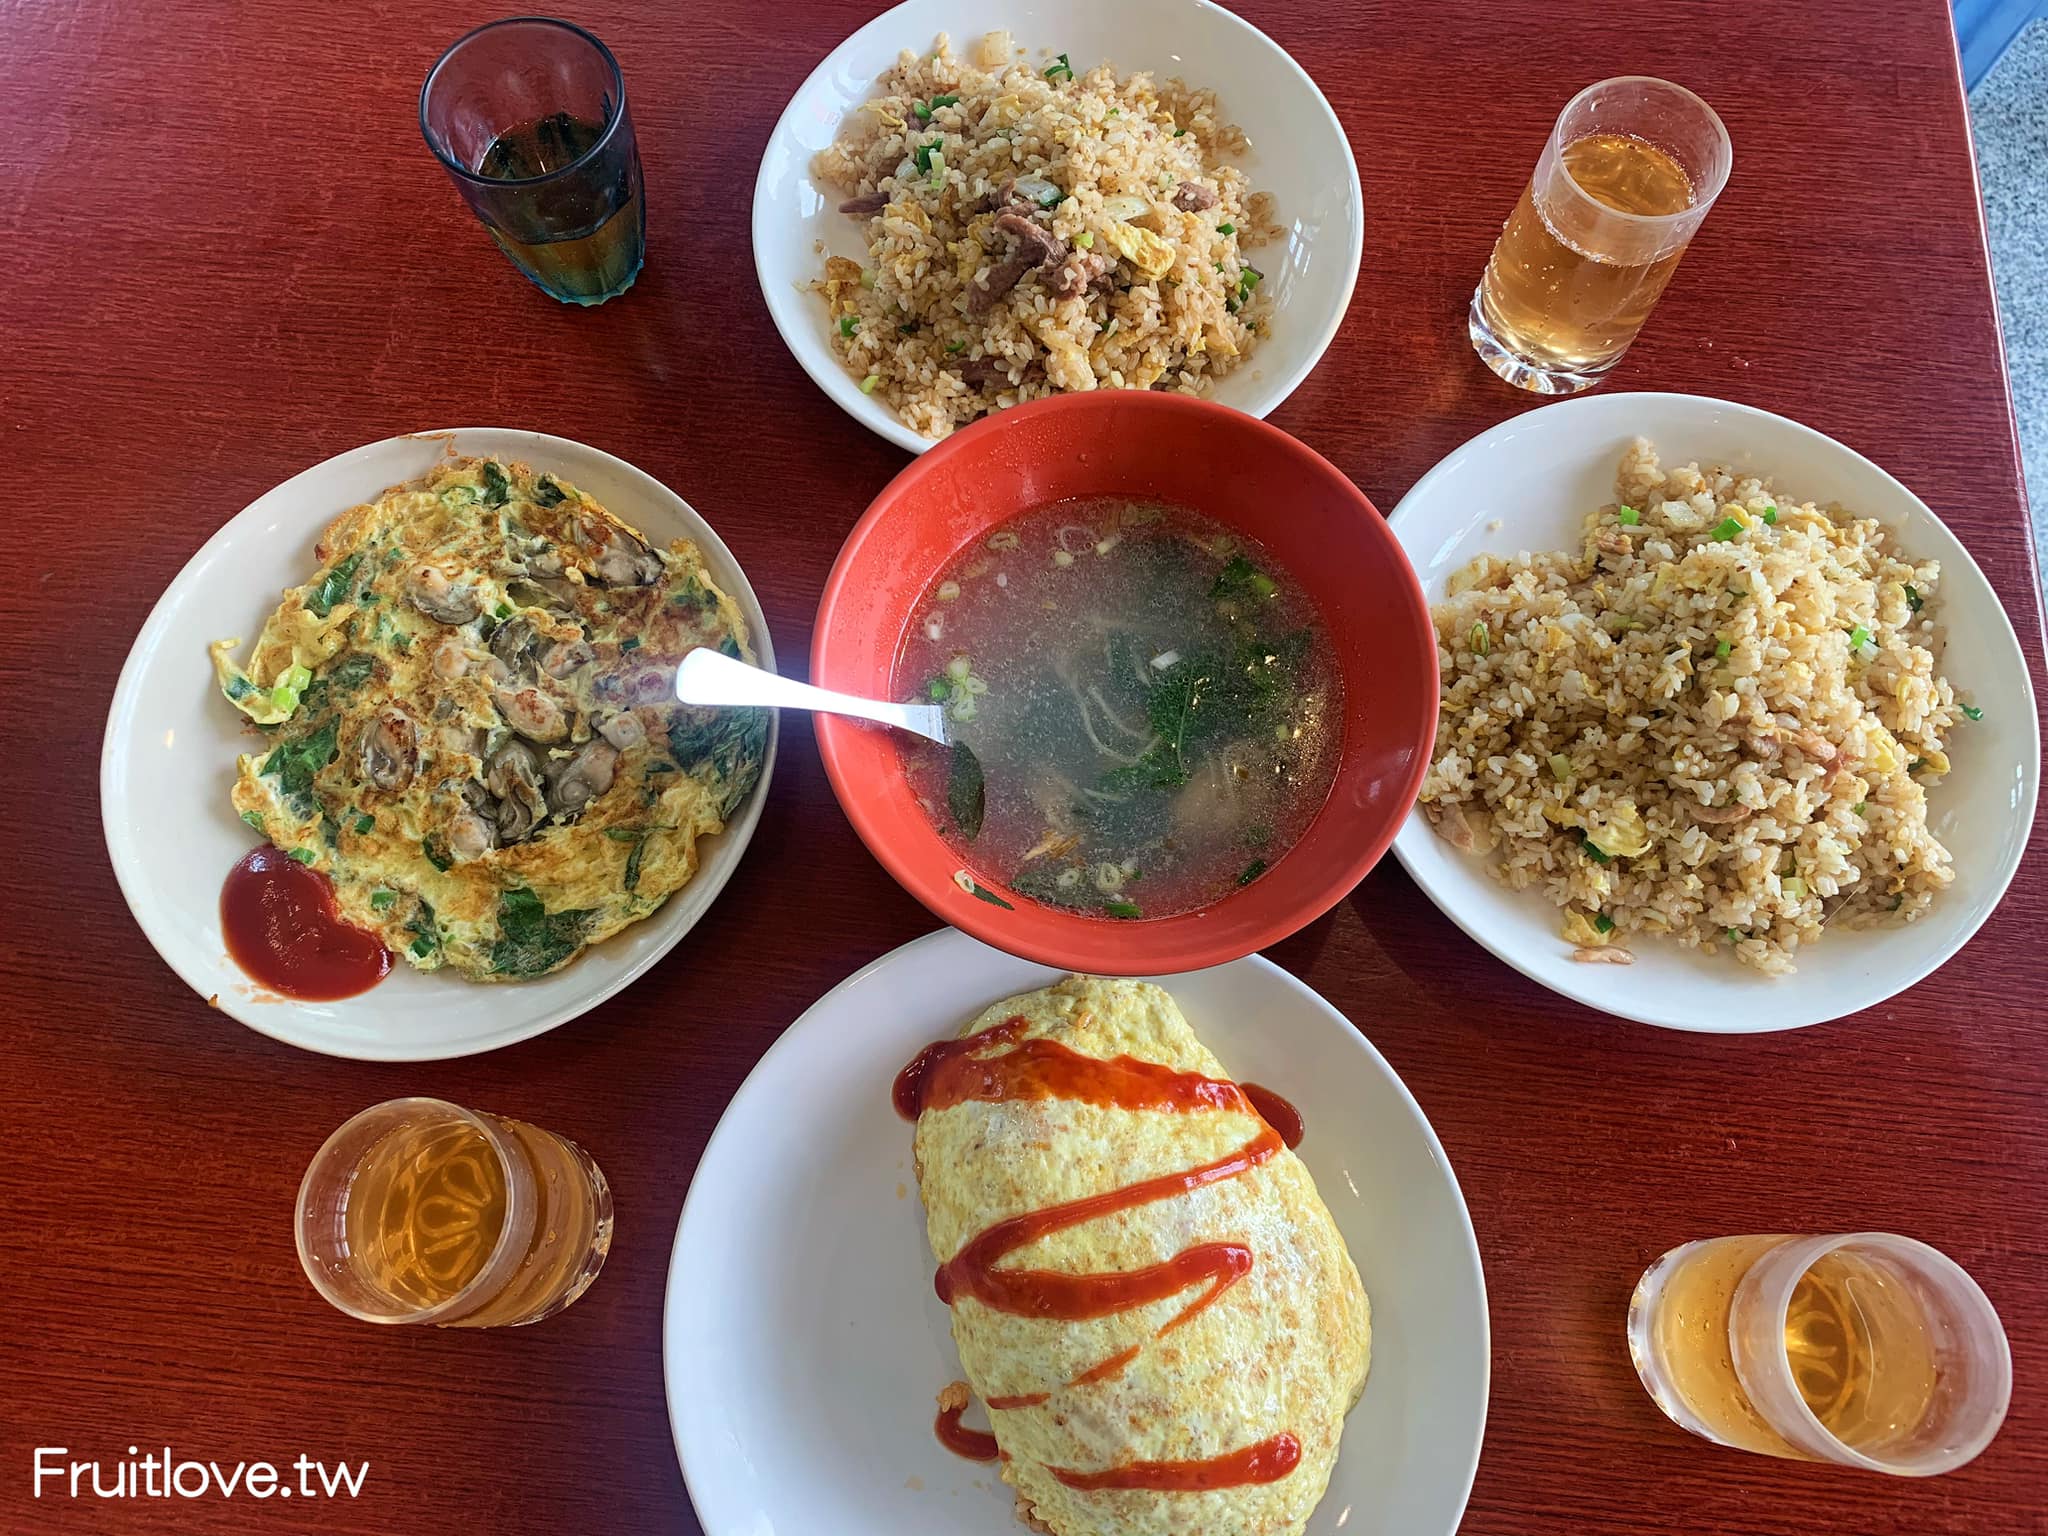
(1137, 695)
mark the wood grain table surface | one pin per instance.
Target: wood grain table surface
(228, 256)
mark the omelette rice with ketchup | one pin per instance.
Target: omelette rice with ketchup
(1148, 1295)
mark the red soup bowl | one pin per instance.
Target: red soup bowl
(1231, 468)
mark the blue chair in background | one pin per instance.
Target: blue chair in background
(1986, 28)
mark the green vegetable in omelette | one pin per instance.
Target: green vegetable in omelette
(631, 878)
(532, 940)
(285, 695)
(496, 487)
(730, 742)
(294, 763)
(637, 836)
(333, 587)
(344, 674)
(426, 933)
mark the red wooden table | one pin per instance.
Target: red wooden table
(229, 256)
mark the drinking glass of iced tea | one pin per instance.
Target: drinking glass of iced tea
(1628, 173)
(1863, 1349)
(529, 117)
(420, 1211)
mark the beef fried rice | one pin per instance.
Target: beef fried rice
(1033, 227)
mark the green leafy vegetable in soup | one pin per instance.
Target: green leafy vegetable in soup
(1146, 709)
(966, 791)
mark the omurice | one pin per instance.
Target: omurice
(471, 724)
(1147, 1293)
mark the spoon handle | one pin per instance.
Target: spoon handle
(709, 677)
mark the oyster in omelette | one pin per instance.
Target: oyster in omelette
(1147, 1292)
(472, 723)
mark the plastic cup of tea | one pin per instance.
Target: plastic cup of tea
(421, 1211)
(528, 116)
(1864, 1349)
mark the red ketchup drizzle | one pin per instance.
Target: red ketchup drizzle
(1026, 1399)
(1107, 1369)
(1276, 1112)
(908, 1095)
(974, 1444)
(950, 1072)
(1266, 1462)
(279, 922)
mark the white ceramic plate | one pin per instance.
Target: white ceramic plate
(1299, 153)
(802, 1343)
(1527, 485)
(168, 763)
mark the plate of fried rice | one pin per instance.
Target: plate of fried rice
(1734, 735)
(961, 211)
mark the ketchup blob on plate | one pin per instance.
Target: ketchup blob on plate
(279, 920)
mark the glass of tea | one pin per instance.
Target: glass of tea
(529, 117)
(1628, 173)
(420, 1211)
(1863, 1349)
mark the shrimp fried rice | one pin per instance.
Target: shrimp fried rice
(1716, 721)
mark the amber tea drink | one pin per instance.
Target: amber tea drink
(1864, 1349)
(420, 1211)
(1629, 171)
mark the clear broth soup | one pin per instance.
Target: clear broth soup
(1149, 712)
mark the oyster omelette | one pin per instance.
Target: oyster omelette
(472, 720)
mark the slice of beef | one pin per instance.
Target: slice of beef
(1032, 246)
(1032, 238)
(866, 206)
(1193, 197)
(994, 373)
